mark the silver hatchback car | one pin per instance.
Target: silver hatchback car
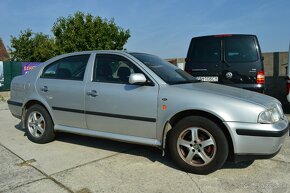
(140, 98)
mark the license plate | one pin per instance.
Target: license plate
(208, 78)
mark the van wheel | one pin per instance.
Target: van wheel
(38, 125)
(198, 145)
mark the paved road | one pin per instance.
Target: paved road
(82, 164)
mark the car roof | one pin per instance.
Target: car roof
(96, 51)
(102, 51)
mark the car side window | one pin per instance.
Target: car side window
(69, 68)
(113, 69)
(50, 71)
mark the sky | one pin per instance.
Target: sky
(160, 27)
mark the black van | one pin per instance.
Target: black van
(230, 59)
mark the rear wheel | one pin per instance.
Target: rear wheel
(198, 145)
(38, 125)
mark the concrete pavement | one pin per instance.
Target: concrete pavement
(81, 164)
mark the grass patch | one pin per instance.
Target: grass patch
(2, 99)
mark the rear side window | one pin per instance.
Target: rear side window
(69, 68)
(206, 50)
(241, 49)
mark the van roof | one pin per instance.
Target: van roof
(224, 35)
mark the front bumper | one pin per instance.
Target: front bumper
(257, 141)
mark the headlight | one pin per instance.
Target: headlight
(272, 115)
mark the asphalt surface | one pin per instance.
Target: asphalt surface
(81, 164)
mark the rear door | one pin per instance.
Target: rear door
(204, 59)
(241, 59)
(62, 86)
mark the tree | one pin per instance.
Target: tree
(86, 32)
(29, 46)
(75, 33)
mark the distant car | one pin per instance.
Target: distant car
(230, 59)
(140, 98)
(1, 83)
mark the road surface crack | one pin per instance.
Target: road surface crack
(196, 184)
(43, 173)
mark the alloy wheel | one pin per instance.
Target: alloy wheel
(196, 146)
(36, 124)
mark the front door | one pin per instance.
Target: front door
(113, 105)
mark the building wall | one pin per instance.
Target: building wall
(3, 52)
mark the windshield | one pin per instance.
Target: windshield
(165, 70)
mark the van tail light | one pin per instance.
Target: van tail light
(288, 85)
(187, 69)
(260, 77)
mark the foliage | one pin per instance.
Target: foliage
(29, 46)
(86, 32)
(79, 32)
(2, 99)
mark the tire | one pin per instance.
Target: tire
(197, 145)
(39, 126)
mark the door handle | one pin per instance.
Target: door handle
(92, 93)
(44, 89)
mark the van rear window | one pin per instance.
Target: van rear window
(240, 49)
(206, 50)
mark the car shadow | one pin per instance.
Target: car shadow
(19, 127)
(151, 153)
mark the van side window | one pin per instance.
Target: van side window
(240, 49)
(206, 50)
(69, 68)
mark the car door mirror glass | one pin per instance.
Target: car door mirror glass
(137, 78)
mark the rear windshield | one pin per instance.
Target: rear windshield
(206, 50)
(241, 49)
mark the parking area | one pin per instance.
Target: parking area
(82, 164)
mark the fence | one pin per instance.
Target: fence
(276, 75)
(11, 69)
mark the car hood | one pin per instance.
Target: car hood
(231, 92)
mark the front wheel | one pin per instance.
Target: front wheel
(198, 145)
(39, 125)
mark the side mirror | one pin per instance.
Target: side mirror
(137, 78)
